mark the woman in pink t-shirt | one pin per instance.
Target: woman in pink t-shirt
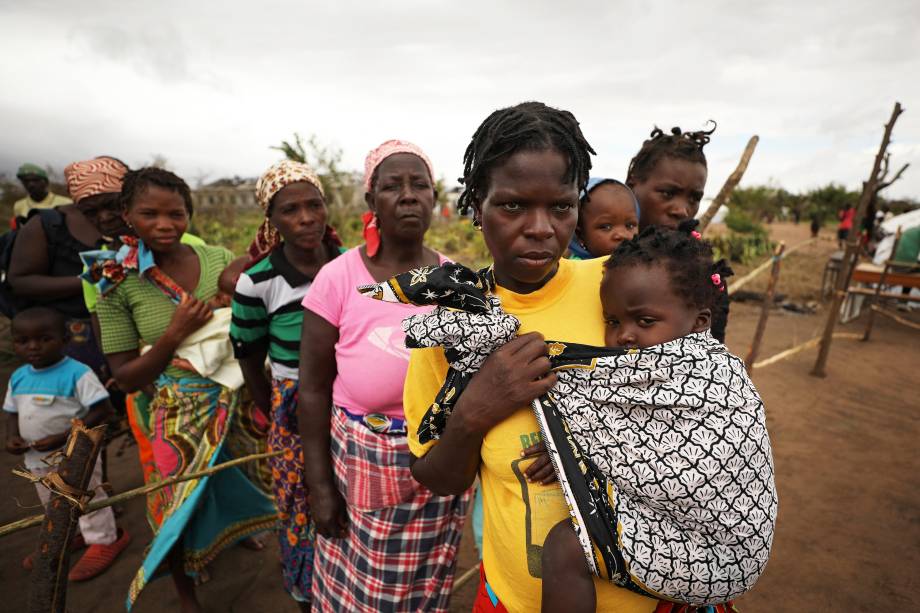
(384, 542)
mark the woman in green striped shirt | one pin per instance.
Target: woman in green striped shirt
(293, 243)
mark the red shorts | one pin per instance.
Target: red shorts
(486, 600)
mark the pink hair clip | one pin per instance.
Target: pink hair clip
(717, 281)
(696, 235)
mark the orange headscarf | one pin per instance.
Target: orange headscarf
(102, 175)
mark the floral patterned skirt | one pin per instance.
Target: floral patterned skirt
(296, 531)
(194, 423)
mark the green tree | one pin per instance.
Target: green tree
(826, 201)
(758, 202)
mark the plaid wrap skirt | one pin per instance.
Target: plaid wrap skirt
(401, 548)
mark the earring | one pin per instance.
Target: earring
(477, 223)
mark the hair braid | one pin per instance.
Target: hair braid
(686, 256)
(678, 144)
(136, 181)
(526, 126)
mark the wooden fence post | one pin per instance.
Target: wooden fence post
(851, 255)
(730, 183)
(765, 308)
(48, 592)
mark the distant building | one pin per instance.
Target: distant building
(236, 192)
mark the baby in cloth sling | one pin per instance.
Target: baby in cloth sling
(659, 440)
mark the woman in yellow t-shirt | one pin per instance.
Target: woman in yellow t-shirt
(523, 172)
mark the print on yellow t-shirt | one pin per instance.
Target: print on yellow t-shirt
(538, 516)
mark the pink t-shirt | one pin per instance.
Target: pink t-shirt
(371, 355)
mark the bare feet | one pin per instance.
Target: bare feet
(202, 577)
(253, 543)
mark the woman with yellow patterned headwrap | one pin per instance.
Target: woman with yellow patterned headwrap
(291, 245)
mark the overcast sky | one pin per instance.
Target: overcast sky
(210, 85)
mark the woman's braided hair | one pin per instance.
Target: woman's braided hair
(136, 181)
(531, 126)
(678, 144)
(685, 255)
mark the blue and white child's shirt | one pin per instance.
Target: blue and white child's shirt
(46, 399)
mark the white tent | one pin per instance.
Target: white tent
(905, 221)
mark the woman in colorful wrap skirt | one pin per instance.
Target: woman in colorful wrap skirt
(292, 244)
(156, 291)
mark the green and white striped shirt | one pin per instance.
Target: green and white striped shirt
(267, 312)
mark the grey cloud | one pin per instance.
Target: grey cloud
(211, 85)
(158, 49)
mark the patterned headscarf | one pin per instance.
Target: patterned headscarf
(391, 147)
(272, 181)
(102, 175)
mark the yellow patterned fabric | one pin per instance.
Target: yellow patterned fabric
(272, 181)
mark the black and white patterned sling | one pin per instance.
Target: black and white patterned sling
(662, 453)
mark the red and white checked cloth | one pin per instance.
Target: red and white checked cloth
(401, 548)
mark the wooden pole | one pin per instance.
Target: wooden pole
(48, 592)
(739, 283)
(782, 355)
(730, 183)
(28, 522)
(896, 317)
(765, 308)
(873, 300)
(851, 254)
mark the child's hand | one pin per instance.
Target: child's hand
(220, 301)
(17, 445)
(183, 364)
(188, 317)
(52, 441)
(541, 470)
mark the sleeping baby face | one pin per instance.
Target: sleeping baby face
(642, 309)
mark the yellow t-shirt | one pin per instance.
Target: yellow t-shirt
(518, 515)
(22, 207)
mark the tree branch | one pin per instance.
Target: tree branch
(897, 176)
(730, 183)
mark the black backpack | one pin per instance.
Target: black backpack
(51, 218)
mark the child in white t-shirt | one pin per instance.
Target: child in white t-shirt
(42, 397)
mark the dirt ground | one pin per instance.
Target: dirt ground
(848, 534)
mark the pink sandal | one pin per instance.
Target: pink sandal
(98, 558)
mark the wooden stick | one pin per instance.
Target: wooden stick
(782, 355)
(48, 591)
(851, 255)
(896, 317)
(28, 522)
(466, 576)
(735, 285)
(765, 307)
(730, 183)
(873, 300)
